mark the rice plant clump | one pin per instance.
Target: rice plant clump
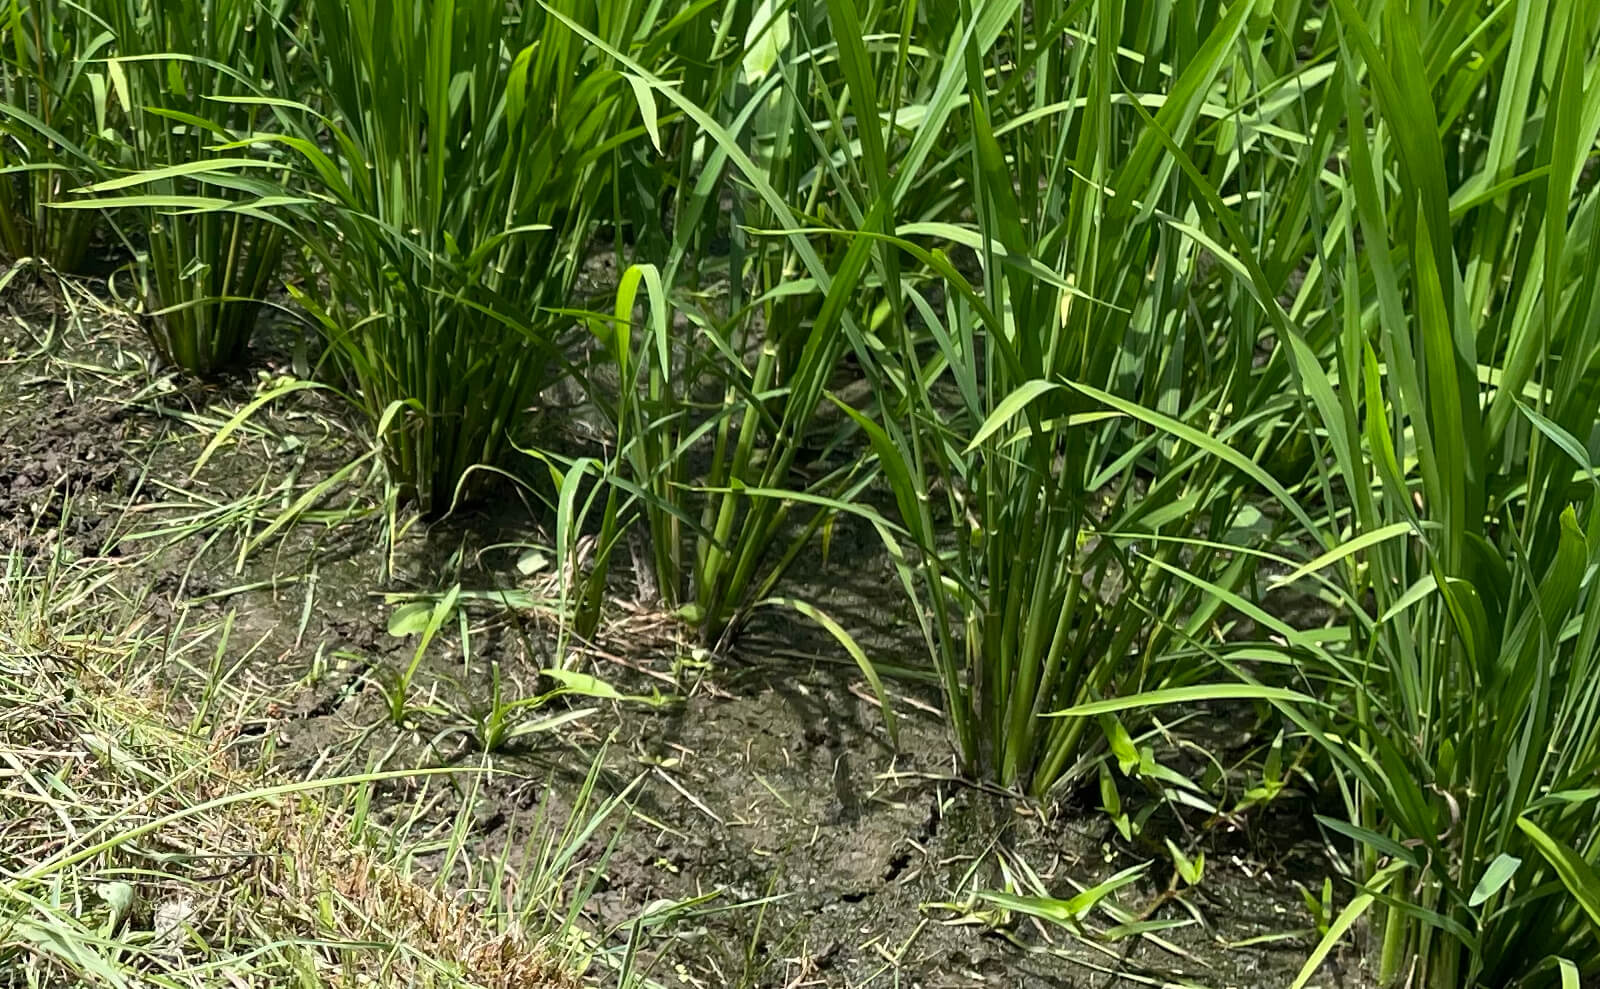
(55, 115)
(194, 77)
(456, 151)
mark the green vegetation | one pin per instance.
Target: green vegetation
(211, 254)
(1081, 466)
(1466, 366)
(53, 93)
(1108, 324)
(451, 210)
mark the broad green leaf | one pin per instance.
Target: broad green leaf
(1494, 878)
(766, 40)
(1569, 974)
(1122, 747)
(180, 170)
(410, 619)
(1008, 408)
(848, 642)
(1345, 549)
(1190, 870)
(1071, 911)
(243, 415)
(583, 684)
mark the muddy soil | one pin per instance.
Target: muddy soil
(826, 855)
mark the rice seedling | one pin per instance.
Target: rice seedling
(192, 77)
(1455, 458)
(1101, 611)
(511, 710)
(717, 431)
(456, 202)
(1062, 433)
(728, 436)
(55, 115)
(1467, 368)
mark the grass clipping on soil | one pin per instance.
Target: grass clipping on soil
(235, 890)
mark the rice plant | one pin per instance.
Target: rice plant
(459, 189)
(1117, 506)
(1456, 423)
(55, 111)
(193, 76)
(1479, 701)
(720, 413)
(1061, 430)
(1110, 301)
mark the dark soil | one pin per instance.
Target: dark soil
(834, 859)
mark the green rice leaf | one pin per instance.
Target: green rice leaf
(1185, 695)
(1576, 874)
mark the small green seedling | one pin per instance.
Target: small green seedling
(505, 721)
(1321, 910)
(404, 622)
(1111, 802)
(1190, 870)
(1069, 912)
